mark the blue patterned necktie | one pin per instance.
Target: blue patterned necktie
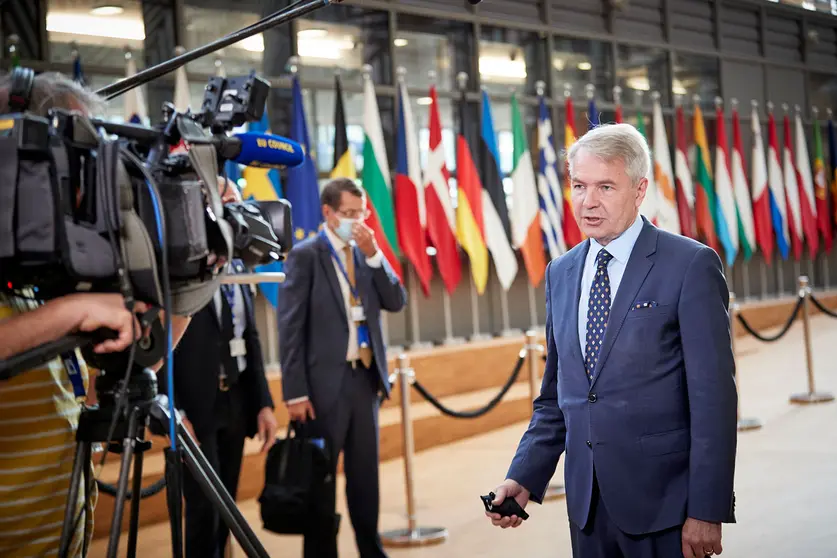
(598, 310)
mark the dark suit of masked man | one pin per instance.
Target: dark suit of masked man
(638, 390)
(332, 351)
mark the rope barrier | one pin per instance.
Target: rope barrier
(152, 490)
(821, 307)
(476, 412)
(781, 333)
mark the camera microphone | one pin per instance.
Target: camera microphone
(269, 151)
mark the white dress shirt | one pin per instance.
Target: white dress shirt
(620, 248)
(374, 261)
(239, 318)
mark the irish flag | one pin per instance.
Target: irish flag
(376, 179)
(525, 211)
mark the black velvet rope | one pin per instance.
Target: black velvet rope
(822, 307)
(780, 334)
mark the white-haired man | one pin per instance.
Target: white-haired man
(638, 390)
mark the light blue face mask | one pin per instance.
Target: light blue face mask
(344, 229)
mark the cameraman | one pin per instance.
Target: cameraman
(39, 409)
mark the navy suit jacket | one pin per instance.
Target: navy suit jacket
(658, 419)
(312, 322)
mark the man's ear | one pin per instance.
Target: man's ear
(641, 190)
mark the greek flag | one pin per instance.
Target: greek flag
(549, 186)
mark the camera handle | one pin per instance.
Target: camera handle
(40, 355)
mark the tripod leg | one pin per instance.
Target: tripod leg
(174, 498)
(215, 491)
(67, 531)
(136, 489)
(122, 484)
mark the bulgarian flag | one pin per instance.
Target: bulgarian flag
(376, 179)
(705, 193)
(525, 213)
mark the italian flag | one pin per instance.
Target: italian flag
(376, 179)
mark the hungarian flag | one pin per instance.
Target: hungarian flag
(761, 192)
(683, 176)
(495, 214)
(792, 193)
(776, 183)
(807, 198)
(550, 196)
(705, 193)
(667, 216)
(821, 184)
(743, 203)
(572, 234)
(135, 107)
(344, 162)
(525, 216)
(441, 219)
(650, 206)
(469, 215)
(376, 180)
(411, 216)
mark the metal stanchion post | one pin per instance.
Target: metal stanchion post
(412, 535)
(744, 424)
(533, 356)
(812, 396)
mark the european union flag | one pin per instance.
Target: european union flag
(302, 189)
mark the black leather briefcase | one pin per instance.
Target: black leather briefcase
(299, 491)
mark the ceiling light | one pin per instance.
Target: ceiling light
(326, 49)
(400, 42)
(82, 24)
(585, 66)
(254, 43)
(312, 33)
(678, 89)
(502, 67)
(107, 10)
(424, 101)
(639, 83)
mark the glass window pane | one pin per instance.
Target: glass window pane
(101, 35)
(204, 25)
(511, 59)
(823, 91)
(424, 44)
(696, 75)
(344, 37)
(578, 62)
(643, 69)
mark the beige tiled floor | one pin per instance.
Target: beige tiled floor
(786, 476)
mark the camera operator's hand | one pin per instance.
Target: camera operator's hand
(365, 239)
(228, 191)
(96, 311)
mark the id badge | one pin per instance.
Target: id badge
(358, 315)
(238, 348)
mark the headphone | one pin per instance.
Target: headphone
(21, 89)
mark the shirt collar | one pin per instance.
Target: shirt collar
(622, 246)
(335, 240)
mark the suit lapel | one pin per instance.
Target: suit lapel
(331, 274)
(639, 265)
(575, 270)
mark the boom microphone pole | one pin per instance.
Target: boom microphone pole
(294, 11)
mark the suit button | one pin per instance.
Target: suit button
(589, 445)
(592, 398)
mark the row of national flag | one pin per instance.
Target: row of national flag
(776, 203)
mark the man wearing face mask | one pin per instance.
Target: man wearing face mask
(332, 352)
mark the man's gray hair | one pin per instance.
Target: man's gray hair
(52, 90)
(612, 142)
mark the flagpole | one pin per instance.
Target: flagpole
(413, 308)
(763, 273)
(533, 306)
(504, 309)
(450, 340)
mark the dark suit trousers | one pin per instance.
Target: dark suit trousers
(351, 426)
(601, 538)
(223, 444)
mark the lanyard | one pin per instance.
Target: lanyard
(73, 369)
(229, 293)
(336, 257)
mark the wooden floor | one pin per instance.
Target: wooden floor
(786, 477)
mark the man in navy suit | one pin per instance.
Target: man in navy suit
(638, 390)
(332, 352)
